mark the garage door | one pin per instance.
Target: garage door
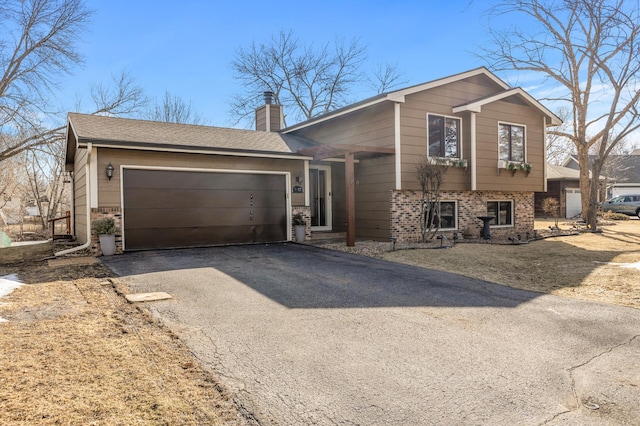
(574, 202)
(165, 208)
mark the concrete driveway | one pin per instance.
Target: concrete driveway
(302, 335)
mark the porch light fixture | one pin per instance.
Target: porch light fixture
(109, 171)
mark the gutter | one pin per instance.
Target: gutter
(87, 177)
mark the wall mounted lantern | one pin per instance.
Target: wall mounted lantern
(109, 171)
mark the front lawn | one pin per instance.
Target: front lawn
(603, 266)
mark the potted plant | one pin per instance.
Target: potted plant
(525, 167)
(106, 231)
(300, 227)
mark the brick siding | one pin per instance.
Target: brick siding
(405, 213)
(306, 214)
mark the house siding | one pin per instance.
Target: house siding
(488, 175)
(441, 100)
(413, 122)
(80, 195)
(374, 180)
(372, 127)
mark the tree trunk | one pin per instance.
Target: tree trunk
(585, 187)
(594, 192)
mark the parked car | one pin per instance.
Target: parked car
(627, 204)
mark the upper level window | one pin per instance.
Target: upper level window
(511, 140)
(443, 136)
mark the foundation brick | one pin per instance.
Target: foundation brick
(405, 213)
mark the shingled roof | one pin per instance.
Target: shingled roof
(618, 168)
(555, 172)
(123, 132)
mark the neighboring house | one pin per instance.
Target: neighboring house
(621, 173)
(12, 212)
(563, 184)
(351, 170)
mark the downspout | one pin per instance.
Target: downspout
(72, 209)
(544, 157)
(88, 196)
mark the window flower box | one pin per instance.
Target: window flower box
(449, 162)
(514, 166)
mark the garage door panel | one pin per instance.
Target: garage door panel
(198, 237)
(190, 218)
(173, 198)
(166, 179)
(165, 208)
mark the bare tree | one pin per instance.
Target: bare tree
(9, 176)
(122, 97)
(551, 207)
(589, 51)
(37, 45)
(559, 147)
(385, 77)
(307, 80)
(173, 109)
(430, 174)
(44, 170)
(37, 169)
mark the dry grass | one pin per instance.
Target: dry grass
(74, 352)
(585, 266)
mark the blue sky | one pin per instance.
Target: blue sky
(186, 47)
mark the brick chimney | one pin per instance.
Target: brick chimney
(269, 116)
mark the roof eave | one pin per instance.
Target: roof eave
(398, 96)
(145, 146)
(476, 106)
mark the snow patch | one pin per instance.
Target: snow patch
(635, 265)
(8, 283)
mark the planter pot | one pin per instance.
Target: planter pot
(107, 244)
(300, 233)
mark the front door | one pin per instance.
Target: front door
(320, 197)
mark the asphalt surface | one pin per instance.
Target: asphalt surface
(302, 335)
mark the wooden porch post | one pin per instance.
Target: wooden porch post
(350, 198)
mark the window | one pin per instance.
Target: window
(503, 212)
(443, 136)
(448, 215)
(511, 141)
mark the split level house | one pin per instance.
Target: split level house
(352, 170)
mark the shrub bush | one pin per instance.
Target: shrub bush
(105, 226)
(614, 216)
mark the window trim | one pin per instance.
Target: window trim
(513, 217)
(460, 153)
(455, 215)
(524, 148)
